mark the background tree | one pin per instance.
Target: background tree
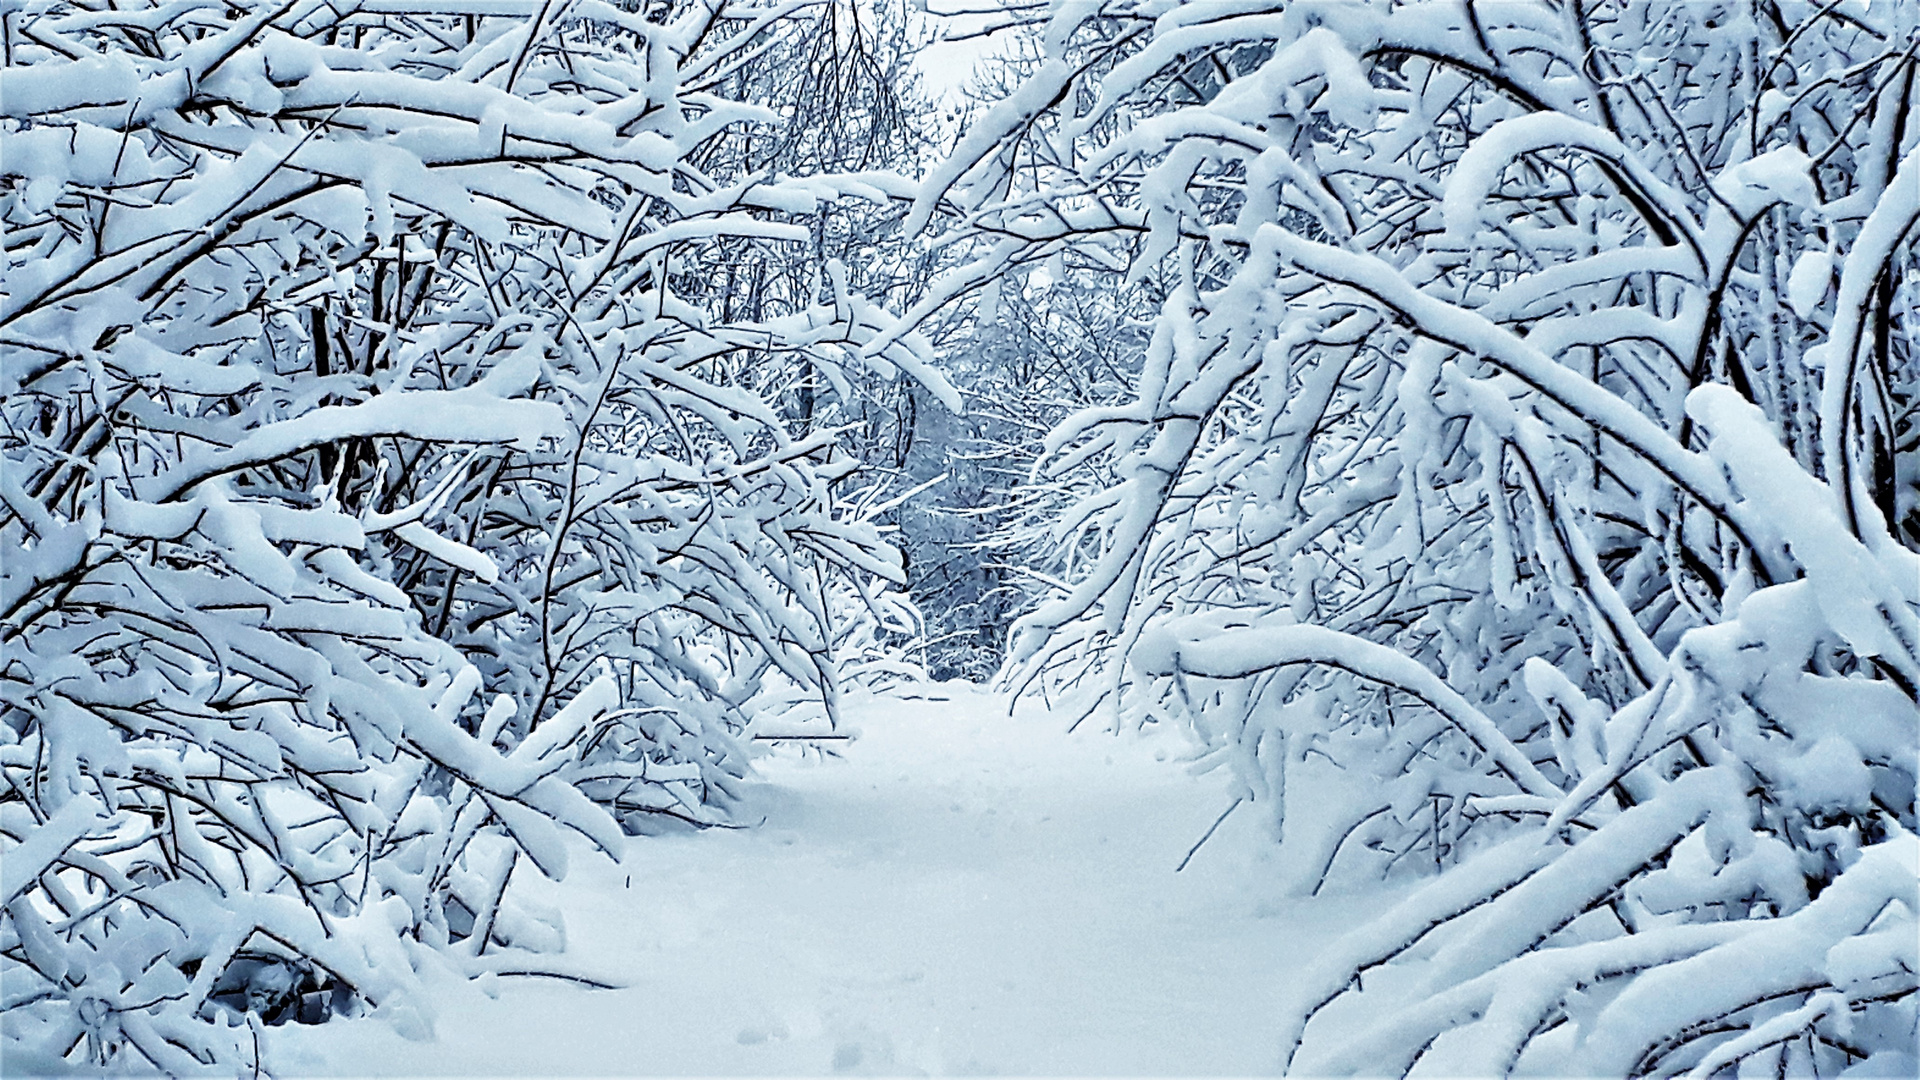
(1028, 343)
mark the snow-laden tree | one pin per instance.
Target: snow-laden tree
(379, 501)
(1029, 348)
(1521, 488)
(1035, 350)
(846, 86)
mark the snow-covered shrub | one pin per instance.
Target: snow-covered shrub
(1519, 490)
(375, 510)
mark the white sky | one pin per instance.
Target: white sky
(947, 65)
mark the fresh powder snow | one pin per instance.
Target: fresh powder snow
(955, 890)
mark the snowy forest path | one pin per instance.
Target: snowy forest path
(960, 891)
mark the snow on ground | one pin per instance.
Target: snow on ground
(963, 891)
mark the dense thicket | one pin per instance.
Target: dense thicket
(1519, 488)
(391, 482)
(1027, 342)
(1036, 350)
(431, 427)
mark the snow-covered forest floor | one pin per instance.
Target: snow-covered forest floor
(960, 891)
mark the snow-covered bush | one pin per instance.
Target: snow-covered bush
(1520, 489)
(375, 509)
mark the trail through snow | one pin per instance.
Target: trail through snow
(961, 892)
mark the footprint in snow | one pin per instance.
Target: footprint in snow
(755, 1034)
